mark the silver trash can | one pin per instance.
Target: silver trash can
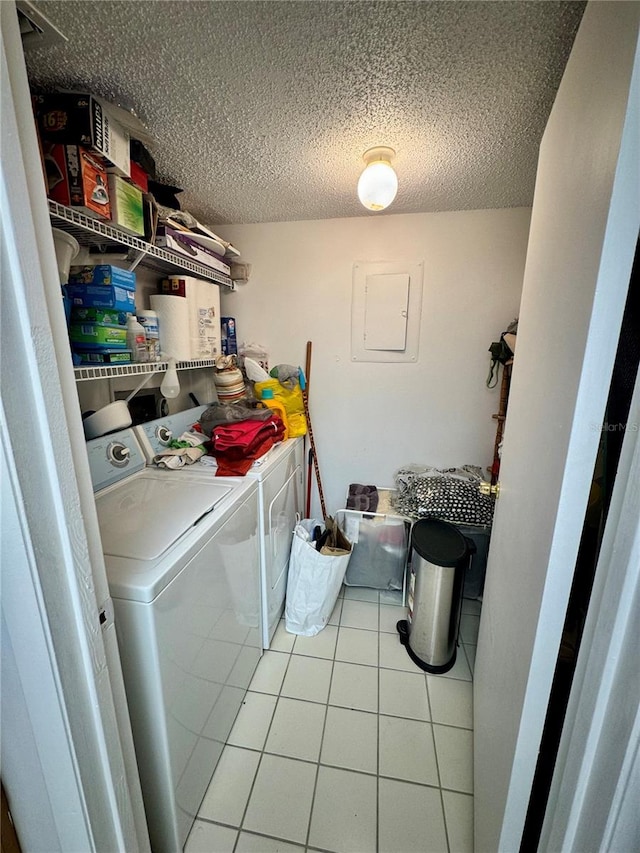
(441, 555)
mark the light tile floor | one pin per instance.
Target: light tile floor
(343, 744)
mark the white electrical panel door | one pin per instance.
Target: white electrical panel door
(386, 311)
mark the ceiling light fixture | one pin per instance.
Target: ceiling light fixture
(378, 183)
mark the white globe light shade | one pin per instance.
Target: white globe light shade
(378, 185)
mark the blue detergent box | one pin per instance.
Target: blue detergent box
(228, 344)
(101, 296)
(103, 274)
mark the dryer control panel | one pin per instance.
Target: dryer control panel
(114, 457)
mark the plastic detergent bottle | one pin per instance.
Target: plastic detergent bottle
(136, 340)
(269, 400)
(149, 322)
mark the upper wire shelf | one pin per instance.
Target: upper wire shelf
(113, 371)
(89, 231)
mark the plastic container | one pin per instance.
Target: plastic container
(136, 340)
(380, 546)
(149, 322)
(269, 400)
(67, 248)
(440, 558)
(257, 352)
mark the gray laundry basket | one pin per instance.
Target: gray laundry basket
(441, 555)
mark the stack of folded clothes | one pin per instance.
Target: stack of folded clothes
(239, 435)
(362, 498)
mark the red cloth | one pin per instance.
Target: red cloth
(236, 445)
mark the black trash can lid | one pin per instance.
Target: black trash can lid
(439, 542)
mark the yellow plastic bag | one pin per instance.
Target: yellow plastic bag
(291, 399)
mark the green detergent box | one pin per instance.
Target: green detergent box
(105, 316)
(98, 334)
(104, 356)
(126, 206)
(103, 274)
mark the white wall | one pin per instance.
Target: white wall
(584, 228)
(370, 419)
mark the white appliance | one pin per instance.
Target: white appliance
(280, 478)
(182, 560)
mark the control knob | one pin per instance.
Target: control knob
(163, 434)
(118, 454)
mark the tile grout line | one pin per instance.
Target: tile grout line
(262, 752)
(435, 752)
(324, 728)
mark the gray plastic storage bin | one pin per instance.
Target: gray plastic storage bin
(475, 574)
(380, 544)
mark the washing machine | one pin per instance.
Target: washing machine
(182, 556)
(280, 478)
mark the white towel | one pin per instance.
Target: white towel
(178, 457)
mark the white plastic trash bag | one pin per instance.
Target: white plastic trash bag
(315, 577)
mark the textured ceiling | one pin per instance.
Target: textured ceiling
(261, 111)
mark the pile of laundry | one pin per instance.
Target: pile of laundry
(181, 451)
(362, 498)
(238, 434)
(451, 494)
(236, 431)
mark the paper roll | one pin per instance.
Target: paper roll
(204, 318)
(173, 323)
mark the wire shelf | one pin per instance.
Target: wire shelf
(113, 371)
(92, 232)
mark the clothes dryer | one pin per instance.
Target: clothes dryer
(280, 478)
(183, 565)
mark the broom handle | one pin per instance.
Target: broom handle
(305, 400)
(307, 372)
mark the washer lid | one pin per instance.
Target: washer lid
(145, 515)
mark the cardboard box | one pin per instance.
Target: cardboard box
(98, 334)
(139, 177)
(182, 244)
(228, 327)
(228, 332)
(141, 156)
(203, 298)
(101, 296)
(80, 119)
(126, 205)
(76, 178)
(98, 315)
(103, 274)
(103, 356)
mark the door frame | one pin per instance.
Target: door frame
(56, 535)
(595, 791)
(584, 230)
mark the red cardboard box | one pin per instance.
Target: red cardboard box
(139, 177)
(76, 179)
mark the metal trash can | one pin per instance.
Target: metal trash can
(441, 555)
